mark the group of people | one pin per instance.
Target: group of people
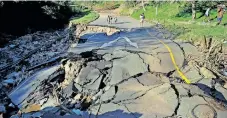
(111, 19)
(220, 13)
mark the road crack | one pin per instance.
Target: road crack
(178, 99)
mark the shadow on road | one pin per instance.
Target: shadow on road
(110, 114)
(208, 91)
(121, 22)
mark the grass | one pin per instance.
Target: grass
(182, 25)
(85, 19)
(106, 5)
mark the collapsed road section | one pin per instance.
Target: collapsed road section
(108, 76)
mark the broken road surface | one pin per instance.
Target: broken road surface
(128, 74)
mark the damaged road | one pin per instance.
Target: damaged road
(108, 76)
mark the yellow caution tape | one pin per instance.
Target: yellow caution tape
(174, 62)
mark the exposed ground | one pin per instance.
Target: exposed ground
(125, 72)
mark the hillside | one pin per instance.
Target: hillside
(174, 19)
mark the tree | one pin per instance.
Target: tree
(143, 5)
(193, 9)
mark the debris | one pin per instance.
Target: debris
(225, 72)
(78, 87)
(109, 94)
(117, 80)
(207, 73)
(31, 108)
(78, 97)
(12, 46)
(9, 81)
(43, 101)
(225, 85)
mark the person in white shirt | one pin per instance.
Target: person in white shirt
(207, 15)
(142, 18)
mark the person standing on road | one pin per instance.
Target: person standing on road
(115, 20)
(142, 18)
(220, 13)
(111, 19)
(108, 19)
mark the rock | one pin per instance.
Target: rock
(225, 72)
(164, 79)
(90, 77)
(31, 108)
(12, 46)
(41, 102)
(119, 54)
(129, 90)
(190, 72)
(78, 97)
(95, 86)
(207, 73)
(74, 45)
(225, 85)
(188, 104)
(67, 92)
(87, 75)
(99, 64)
(78, 87)
(107, 57)
(150, 103)
(149, 79)
(109, 94)
(50, 104)
(125, 67)
(97, 95)
(72, 70)
(160, 60)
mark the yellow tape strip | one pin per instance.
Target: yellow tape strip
(174, 62)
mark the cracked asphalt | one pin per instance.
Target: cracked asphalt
(129, 81)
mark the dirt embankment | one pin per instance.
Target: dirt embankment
(83, 29)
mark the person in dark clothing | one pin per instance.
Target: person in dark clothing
(108, 19)
(111, 18)
(115, 20)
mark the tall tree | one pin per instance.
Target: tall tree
(143, 5)
(193, 9)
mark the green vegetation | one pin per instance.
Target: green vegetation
(173, 17)
(104, 5)
(100, 5)
(89, 17)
